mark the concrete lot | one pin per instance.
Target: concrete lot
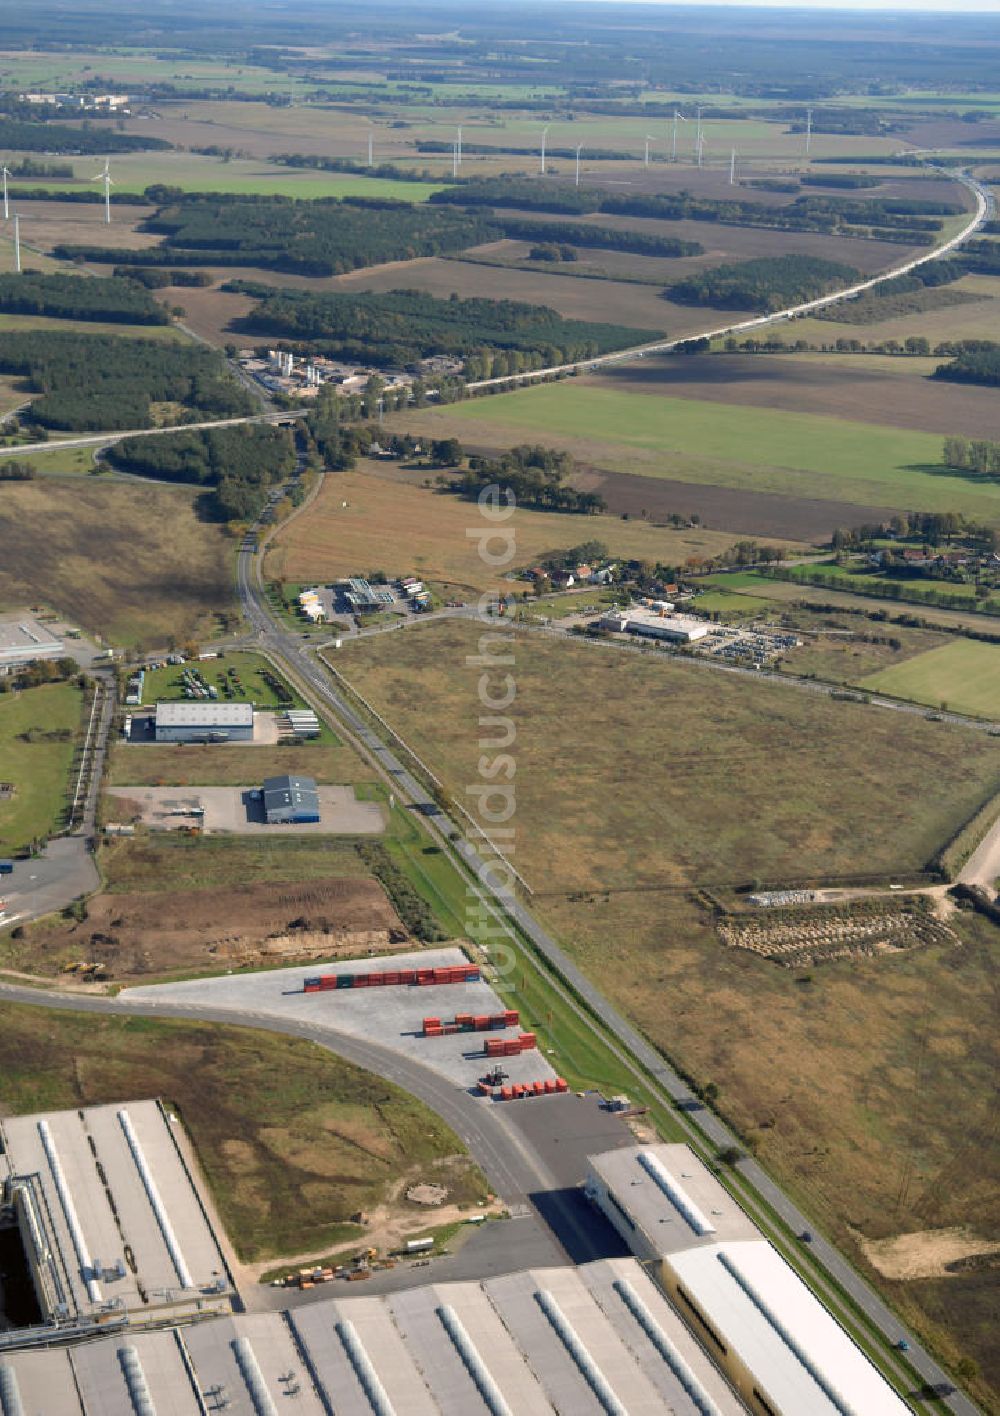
(391, 1015)
(233, 809)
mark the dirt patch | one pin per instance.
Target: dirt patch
(928, 1253)
(134, 936)
(867, 390)
(802, 937)
(727, 508)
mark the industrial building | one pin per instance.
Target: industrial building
(784, 1353)
(204, 722)
(23, 639)
(112, 1226)
(655, 624)
(290, 801)
(590, 1340)
(364, 598)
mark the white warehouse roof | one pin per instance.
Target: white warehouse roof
(800, 1358)
(202, 715)
(673, 1198)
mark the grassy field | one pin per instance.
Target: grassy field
(9, 324)
(402, 528)
(686, 741)
(38, 732)
(789, 454)
(292, 1140)
(963, 674)
(130, 562)
(259, 682)
(968, 321)
(229, 764)
(170, 863)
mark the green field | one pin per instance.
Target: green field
(10, 324)
(38, 731)
(166, 685)
(963, 675)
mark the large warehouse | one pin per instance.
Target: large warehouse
(290, 801)
(776, 1342)
(593, 1340)
(111, 1223)
(23, 639)
(194, 721)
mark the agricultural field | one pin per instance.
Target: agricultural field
(291, 1139)
(643, 721)
(132, 561)
(39, 729)
(788, 454)
(10, 324)
(403, 528)
(974, 319)
(143, 764)
(963, 675)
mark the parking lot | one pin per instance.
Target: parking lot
(239, 811)
(391, 1016)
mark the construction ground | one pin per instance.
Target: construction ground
(238, 810)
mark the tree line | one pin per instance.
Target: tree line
(976, 455)
(534, 476)
(973, 365)
(38, 135)
(92, 382)
(239, 465)
(74, 297)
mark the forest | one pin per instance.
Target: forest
(74, 297)
(25, 135)
(769, 283)
(238, 465)
(577, 233)
(400, 327)
(93, 382)
(975, 366)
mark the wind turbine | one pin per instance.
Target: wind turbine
(645, 160)
(701, 148)
(545, 133)
(6, 204)
(809, 129)
(371, 147)
(579, 148)
(732, 168)
(697, 133)
(678, 117)
(17, 243)
(458, 143)
(105, 176)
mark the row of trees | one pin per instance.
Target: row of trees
(934, 528)
(578, 233)
(975, 366)
(91, 382)
(976, 455)
(535, 476)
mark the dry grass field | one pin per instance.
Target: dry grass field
(638, 778)
(978, 319)
(402, 528)
(130, 562)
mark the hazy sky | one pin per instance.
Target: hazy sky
(948, 7)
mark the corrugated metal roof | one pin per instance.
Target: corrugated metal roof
(196, 714)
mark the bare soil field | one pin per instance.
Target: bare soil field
(929, 1253)
(48, 224)
(403, 528)
(892, 391)
(764, 514)
(132, 935)
(128, 560)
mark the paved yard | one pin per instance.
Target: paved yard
(233, 809)
(391, 1016)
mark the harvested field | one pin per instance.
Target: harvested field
(681, 742)
(401, 527)
(864, 388)
(978, 319)
(129, 560)
(228, 764)
(131, 935)
(963, 673)
(736, 509)
(52, 223)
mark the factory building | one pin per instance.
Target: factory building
(23, 639)
(111, 1223)
(774, 1340)
(290, 801)
(655, 624)
(590, 1340)
(196, 721)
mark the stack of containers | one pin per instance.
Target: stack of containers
(454, 973)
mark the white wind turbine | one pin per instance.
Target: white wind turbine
(578, 151)
(6, 204)
(17, 242)
(545, 133)
(645, 159)
(105, 176)
(678, 118)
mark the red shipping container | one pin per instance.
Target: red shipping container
(561, 1084)
(431, 1023)
(550, 1086)
(506, 1093)
(511, 1017)
(494, 1047)
(376, 980)
(360, 980)
(433, 1032)
(391, 977)
(407, 975)
(330, 982)
(538, 1088)
(512, 1048)
(527, 1041)
(463, 1018)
